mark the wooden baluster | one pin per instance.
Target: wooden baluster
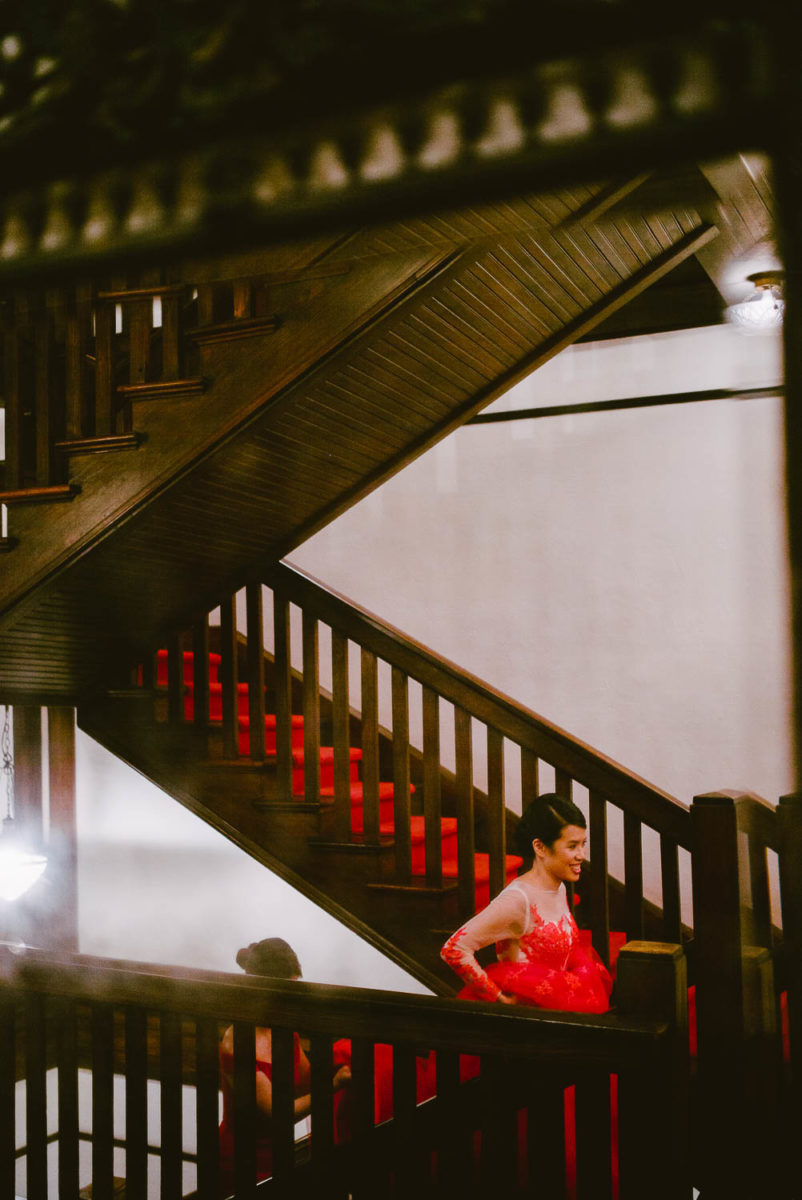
(530, 777)
(229, 675)
(136, 1101)
(545, 1126)
(652, 983)
(455, 1136)
(498, 1163)
(669, 871)
(206, 297)
(592, 1118)
(8, 1074)
(341, 736)
(370, 749)
(102, 1102)
(170, 1103)
(496, 812)
(241, 299)
(14, 405)
(200, 674)
(563, 783)
(466, 841)
(320, 1055)
(760, 934)
(67, 1064)
(256, 671)
(246, 1117)
(176, 687)
(207, 1085)
(283, 694)
(311, 704)
(408, 1167)
(44, 401)
(432, 801)
(171, 334)
(76, 381)
(366, 1162)
(35, 1097)
(599, 876)
(282, 1122)
(633, 877)
(140, 320)
(105, 382)
(789, 846)
(401, 780)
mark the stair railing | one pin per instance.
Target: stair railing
(500, 720)
(388, 662)
(427, 1076)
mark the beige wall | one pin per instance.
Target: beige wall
(621, 573)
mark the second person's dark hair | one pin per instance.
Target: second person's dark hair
(545, 818)
(272, 957)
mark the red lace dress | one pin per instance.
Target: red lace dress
(541, 958)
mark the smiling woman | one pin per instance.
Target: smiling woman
(540, 959)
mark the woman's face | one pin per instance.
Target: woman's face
(563, 859)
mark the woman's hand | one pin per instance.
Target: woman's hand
(506, 998)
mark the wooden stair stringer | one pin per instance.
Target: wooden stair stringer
(279, 837)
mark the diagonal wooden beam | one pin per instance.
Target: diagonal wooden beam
(620, 295)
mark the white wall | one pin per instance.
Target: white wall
(156, 884)
(621, 573)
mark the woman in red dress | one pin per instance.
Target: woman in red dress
(541, 959)
(274, 958)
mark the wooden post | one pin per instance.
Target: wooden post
(28, 773)
(652, 982)
(12, 392)
(718, 965)
(401, 783)
(63, 837)
(789, 820)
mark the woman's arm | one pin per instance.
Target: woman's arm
(302, 1105)
(503, 918)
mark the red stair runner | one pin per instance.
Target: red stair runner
(448, 825)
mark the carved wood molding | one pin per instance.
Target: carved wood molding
(578, 108)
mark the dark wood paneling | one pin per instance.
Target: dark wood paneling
(370, 366)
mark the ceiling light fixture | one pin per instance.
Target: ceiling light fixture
(19, 866)
(763, 310)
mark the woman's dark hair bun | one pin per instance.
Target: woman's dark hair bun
(272, 957)
(545, 818)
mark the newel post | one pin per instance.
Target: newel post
(789, 820)
(652, 983)
(736, 1082)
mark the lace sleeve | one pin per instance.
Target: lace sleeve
(505, 917)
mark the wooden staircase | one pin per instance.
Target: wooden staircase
(391, 833)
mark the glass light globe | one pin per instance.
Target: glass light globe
(763, 311)
(19, 870)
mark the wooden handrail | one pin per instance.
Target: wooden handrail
(606, 1039)
(588, 766)
(453, 1069)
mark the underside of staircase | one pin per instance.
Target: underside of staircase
(243, 800)
(369, 347)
